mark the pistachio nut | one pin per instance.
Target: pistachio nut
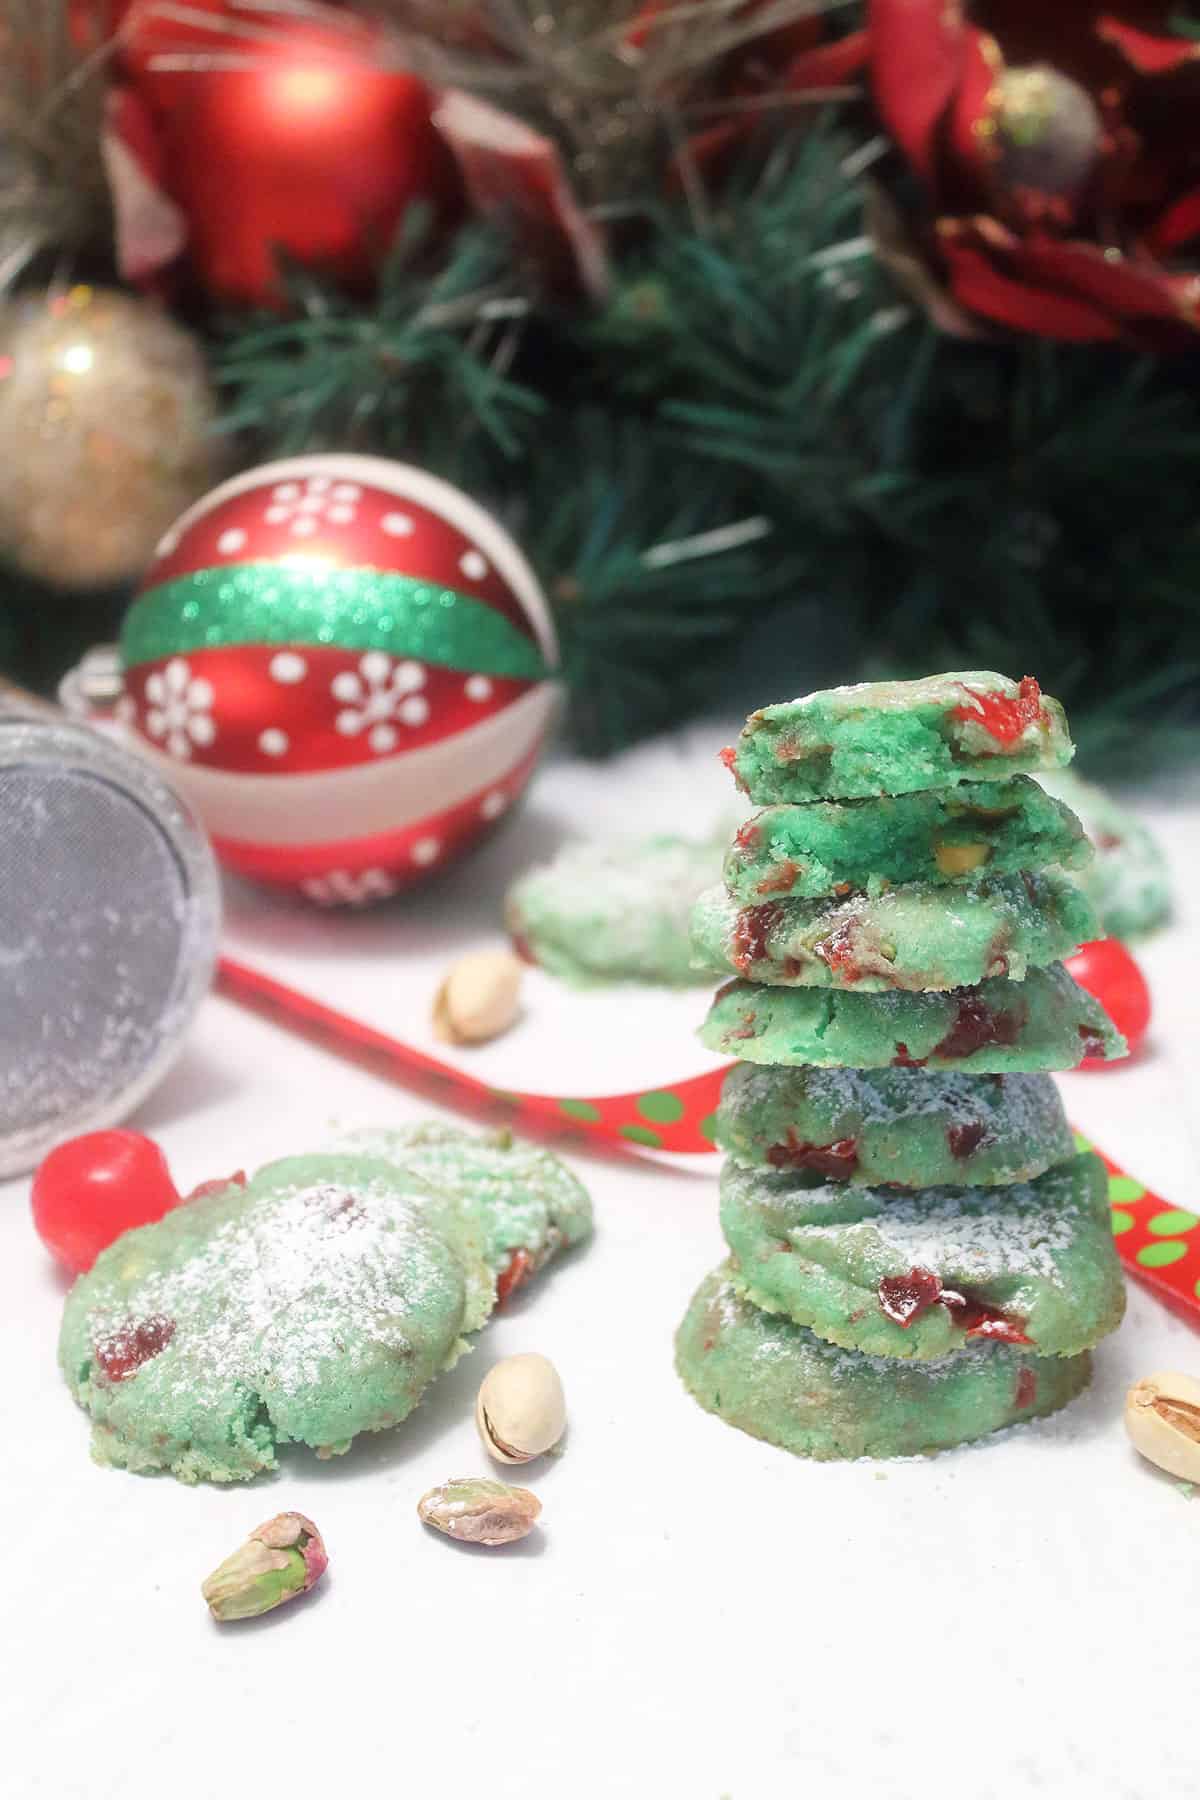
(1162, 1417)
(279, 1560)
(479, 998)
(960, 859)
(478, 1511)
(521, 1411)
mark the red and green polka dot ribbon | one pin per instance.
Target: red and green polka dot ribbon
(1157, 1242)
(678, 1118)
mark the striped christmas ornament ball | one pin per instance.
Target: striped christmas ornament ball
(348, 668)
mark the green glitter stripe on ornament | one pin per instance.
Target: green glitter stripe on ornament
(349, 609)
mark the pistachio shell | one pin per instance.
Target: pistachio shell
(474, 1510)
(479, 998)
(1162, 1417)
(521, 1411)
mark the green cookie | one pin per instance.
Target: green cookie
(614, 912)
(942, 835)
(532, 1205)
(777, 1381)
(918, 937)
(1046, 1021)
(918, 1273)
(313, 1304)
(1128, 881)
(897, 737)
(908, 1127)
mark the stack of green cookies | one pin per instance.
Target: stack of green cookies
(917, 1254)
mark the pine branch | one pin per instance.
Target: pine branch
(420, 373)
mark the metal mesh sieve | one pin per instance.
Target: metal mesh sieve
(108, 928)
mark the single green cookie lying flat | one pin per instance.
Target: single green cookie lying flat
(917, 1274)
(897, 737)
(1000, 1027)
(313, 1304)
(943, 835)
(614, 912)
(778, 1381)
(918, 937)
(908, 1127)
(1127, 881)
(532, 1205)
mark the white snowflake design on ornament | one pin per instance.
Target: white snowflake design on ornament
(341, 888)
(381, 694)
(179, 709)
(304, 506)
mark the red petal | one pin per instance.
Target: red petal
(150, 229)
(1178, 225)
(971, 130)
(1067, 290)
(511, 170)
(828, 65)
(918, 54)
(1011, 298)
(1145, 51)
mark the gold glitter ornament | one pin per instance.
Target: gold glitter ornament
(1049, 131)
(106, 433)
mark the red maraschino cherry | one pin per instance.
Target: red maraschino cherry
(92, 1188)
(1110, 974)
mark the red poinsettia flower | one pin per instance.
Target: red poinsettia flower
(1058, 145)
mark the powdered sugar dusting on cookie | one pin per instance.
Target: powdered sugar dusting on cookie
(294, 1289)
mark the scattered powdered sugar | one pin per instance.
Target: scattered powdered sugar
(976, 1234)
(528, 1198)
(904, 696)
(1021, 1103)
(290, 1282)
(616, 908)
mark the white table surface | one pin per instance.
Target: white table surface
(702, 1615)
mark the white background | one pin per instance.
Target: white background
(702, 1615)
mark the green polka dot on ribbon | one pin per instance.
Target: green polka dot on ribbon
(1158, 1256)
(580, 1109)
(661, 1108)
(1172, 1222)
(642, 1134)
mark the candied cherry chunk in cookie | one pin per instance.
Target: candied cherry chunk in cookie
(123, 1352)
(1003, 718)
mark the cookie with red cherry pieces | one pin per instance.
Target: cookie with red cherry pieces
(532, 1205)
(315, 1303)
(907, 1127)
(897, 737)
(941, 835)
(780, 1382)
(999, 1027)
(920, 1273)
(918, 937)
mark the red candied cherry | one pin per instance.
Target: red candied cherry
(1110, 974)
(92, 1188)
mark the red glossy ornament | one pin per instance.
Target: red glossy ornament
(280, 136)
(360, 681)
(92, 1188)
(1108, 972)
